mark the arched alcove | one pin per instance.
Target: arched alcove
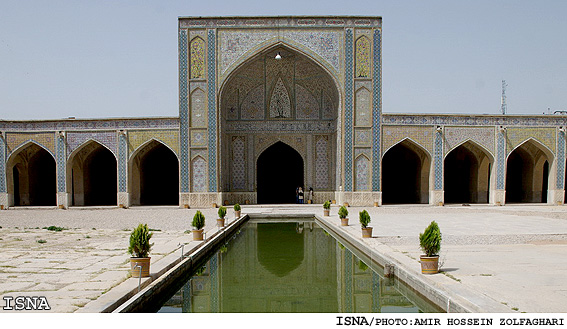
(405, 174)
(91, 174)
(279, 172)
(154, 175)
(32, 179)
(467, 174)
(527, 173)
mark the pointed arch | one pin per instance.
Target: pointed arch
(31, 176)
(279, 171)
(528, 172)
(153, 174)
(467, 173)
(405, 173)
(92, 175)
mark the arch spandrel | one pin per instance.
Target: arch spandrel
(484, 137)
(24, 146)
(89, 145)
(534, 148)
(515, 136)
(423, 136)
(137, 139)
(15, 141)
(77, 139)
(474, 147)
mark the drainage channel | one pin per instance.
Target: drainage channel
(158, 291)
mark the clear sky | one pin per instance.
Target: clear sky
(96, 59)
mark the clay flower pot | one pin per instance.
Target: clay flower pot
(367, 232)
(429, 265)
(135, 270)
(197, 235)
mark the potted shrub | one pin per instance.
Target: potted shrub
(326, 208)
(430, 243)
(343, 213)
(364, 218)
(198, 223)
(139, 249)
(237, 210)
(222, 213)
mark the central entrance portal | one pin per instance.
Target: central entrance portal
(279, 173)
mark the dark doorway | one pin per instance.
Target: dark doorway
(16, 174)
(42, 178)
(100, 178)
(461, 176)
(519, 174)
(159, 177)
(279, 173)
(402, 176)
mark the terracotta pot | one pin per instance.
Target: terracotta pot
(197, 235)
(326, 212)
(220, 222)
(344, 221)
(237, 213)
(367, 232)
(135, 271)
(429, 265)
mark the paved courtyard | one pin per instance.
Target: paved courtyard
(503, 254)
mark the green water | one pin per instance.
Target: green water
(287, 267)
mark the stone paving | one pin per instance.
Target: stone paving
(502, 254)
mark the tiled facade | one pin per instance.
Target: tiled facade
(323, 98)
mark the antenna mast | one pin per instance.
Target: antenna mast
(503, 102)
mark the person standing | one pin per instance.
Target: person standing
(300, 195)
(310, 195)
(297, 194)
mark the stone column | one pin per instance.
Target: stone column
(557, 195)
(498, 194)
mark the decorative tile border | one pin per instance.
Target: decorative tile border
(183, 113)
(100, 124)
(473, 120)
(560, 160)
(3, 187)
(280, 21)
(211, 62)
(61, 157)
(122, 162)
(438, 160)
(377, 109)
(348, 109)
(501, 160)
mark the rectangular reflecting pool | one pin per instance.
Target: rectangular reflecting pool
(288, 266)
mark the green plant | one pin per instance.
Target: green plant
(430, 240)
(343, 212)
(41, 241)
(237, 207)
(198, 220)
(364, 218)
(327, 205)
(362, 266)
(140, 245)
(222, 212)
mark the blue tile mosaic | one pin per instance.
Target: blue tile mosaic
(438, 158)
(375, 292)
(501, 160)
(214, 272)
(183, 113)
(3, 188)
(122, 162)
(211, 75)
(348, 108)
(560, 160)
(348, 282)
(61, 163)
(377, 109)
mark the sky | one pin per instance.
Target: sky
(107, 59)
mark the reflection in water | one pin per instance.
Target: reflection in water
(286, 267)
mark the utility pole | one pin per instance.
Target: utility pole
(503, 102)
